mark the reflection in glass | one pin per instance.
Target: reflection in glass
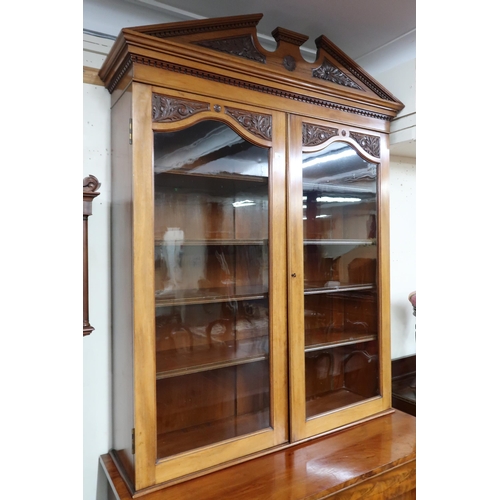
(340, 276)
(211, 286)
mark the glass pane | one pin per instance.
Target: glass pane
(211, 286)
(340, 276)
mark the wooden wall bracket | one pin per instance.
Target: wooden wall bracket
(90, 187)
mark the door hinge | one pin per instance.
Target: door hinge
(133, 441)
(130, 131)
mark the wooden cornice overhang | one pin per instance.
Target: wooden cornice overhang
(227, 51)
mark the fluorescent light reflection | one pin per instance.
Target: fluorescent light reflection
(318, 217)
(337, 199)
(245, 203)
(345, 153)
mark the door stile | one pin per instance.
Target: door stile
(144, 306)
(384, 273)
(278, 283)
(295, 279)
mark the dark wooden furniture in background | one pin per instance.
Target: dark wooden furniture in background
(404, 384)
(250, 252)
(90, 187)
(375, 460)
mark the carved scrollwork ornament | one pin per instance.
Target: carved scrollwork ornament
(327, 71)
(171, 109)
(369, 143)
(313, 135)
(259, 125)
(241, 46)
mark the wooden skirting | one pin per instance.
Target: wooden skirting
(90, 76)
(375, 460)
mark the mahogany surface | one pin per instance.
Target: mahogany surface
(373, 460)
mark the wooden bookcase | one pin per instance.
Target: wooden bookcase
(250, 246)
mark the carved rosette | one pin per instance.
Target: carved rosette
(370, 143)
(172, 109)
(259, 125)
(241, 46)
(327, 71)
(313, 135)
(289, 63)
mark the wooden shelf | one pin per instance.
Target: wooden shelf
(175, 363)
(220, 175)
(320, 339)
(313, 290)
(210, 296)
(358, 242)
(340, 188)
(331, 401)
(197, 436)
(214, 242)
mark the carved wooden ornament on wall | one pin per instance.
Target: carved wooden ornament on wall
(90, 187)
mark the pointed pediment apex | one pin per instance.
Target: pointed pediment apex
(288, 44)
(284, 35)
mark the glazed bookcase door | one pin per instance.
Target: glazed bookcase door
(219, 314)
(336, 245)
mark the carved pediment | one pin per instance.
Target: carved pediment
(241, 46)
(327, 71)
(227, 51)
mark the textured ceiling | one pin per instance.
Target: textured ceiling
(358, 27)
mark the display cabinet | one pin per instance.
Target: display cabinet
(250, 255)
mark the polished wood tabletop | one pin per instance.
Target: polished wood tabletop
(372, 460)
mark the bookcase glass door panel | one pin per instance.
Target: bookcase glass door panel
(211, 195)
(340, 278)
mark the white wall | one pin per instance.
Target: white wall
(403, 254)
(97, 346)
(400, 80)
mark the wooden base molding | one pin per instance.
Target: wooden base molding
(375, 460)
